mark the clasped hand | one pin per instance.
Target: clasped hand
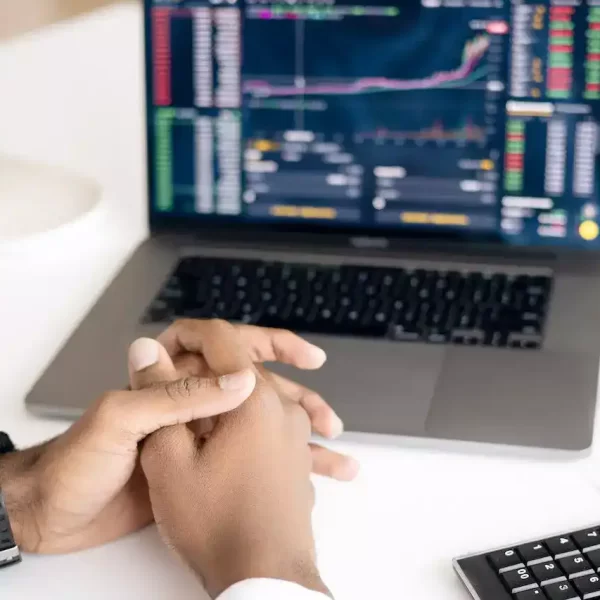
(224, 465)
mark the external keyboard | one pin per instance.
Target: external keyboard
(470, 308)
(563, 567)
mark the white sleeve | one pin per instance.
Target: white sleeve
(269, 589)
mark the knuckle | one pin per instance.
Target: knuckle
(188, 365)
(300, 420)
(316, 401)
(265, 403)
(295, 411)
(110, 407)
(282, 339)
(283, 334)
(186, 387)
(219, 326)
(180, 389)
(267, 394)
(180, 324)
(319, 412)
(288, 335)
(216, 323)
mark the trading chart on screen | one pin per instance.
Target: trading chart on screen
(361, 100)
(475, 115)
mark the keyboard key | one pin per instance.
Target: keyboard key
(561, 591)
(588, 539)
(594, 557)
(576, 566)
(505, 560)
(404, 333)
(534, 553)
(518, 580)
(588, 586)
(547, 572)
(562, 546)
(536, 594)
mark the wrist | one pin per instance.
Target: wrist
(232, 571)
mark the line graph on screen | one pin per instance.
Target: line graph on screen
(470, 73)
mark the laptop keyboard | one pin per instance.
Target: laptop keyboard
(435, 306)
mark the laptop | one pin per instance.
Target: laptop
(412, 185)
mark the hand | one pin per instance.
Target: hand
(237, 504)
(187, 340)
(85, 488)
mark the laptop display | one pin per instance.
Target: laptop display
(469, 117)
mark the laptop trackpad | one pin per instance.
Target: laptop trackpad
(376, 386)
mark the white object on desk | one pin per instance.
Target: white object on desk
(36, 198)
(390, 535)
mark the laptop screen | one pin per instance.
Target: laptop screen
(476, 117)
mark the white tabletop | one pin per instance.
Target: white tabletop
(72, 96)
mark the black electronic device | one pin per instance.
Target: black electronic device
(558, 567)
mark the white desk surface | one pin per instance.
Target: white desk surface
(72, 96)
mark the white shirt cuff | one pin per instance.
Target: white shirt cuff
(270, 589)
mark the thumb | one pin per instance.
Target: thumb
(149, 364)
(131, 416)
(183, 401)
(161, 400)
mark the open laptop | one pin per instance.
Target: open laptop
(412, 184)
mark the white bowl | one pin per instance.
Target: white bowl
(36, 199)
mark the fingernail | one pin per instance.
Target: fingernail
(143, 353)
(318, 355)
(337, 426)
(238, 381)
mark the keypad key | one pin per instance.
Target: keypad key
(534, 553)
(548, 572)
(562, 546)
(594, 557)
(576, 566)
(588, 586)
(536, 594)
(561, 591)
(519, 580)
(588, 539)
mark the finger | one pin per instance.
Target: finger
(191, 364)
(280, 345)
(323, 418)
(134, 415)
(218, 341)
(298, 421)
(259, 344)
(149, 363)
(170, 445)
(332, 464)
